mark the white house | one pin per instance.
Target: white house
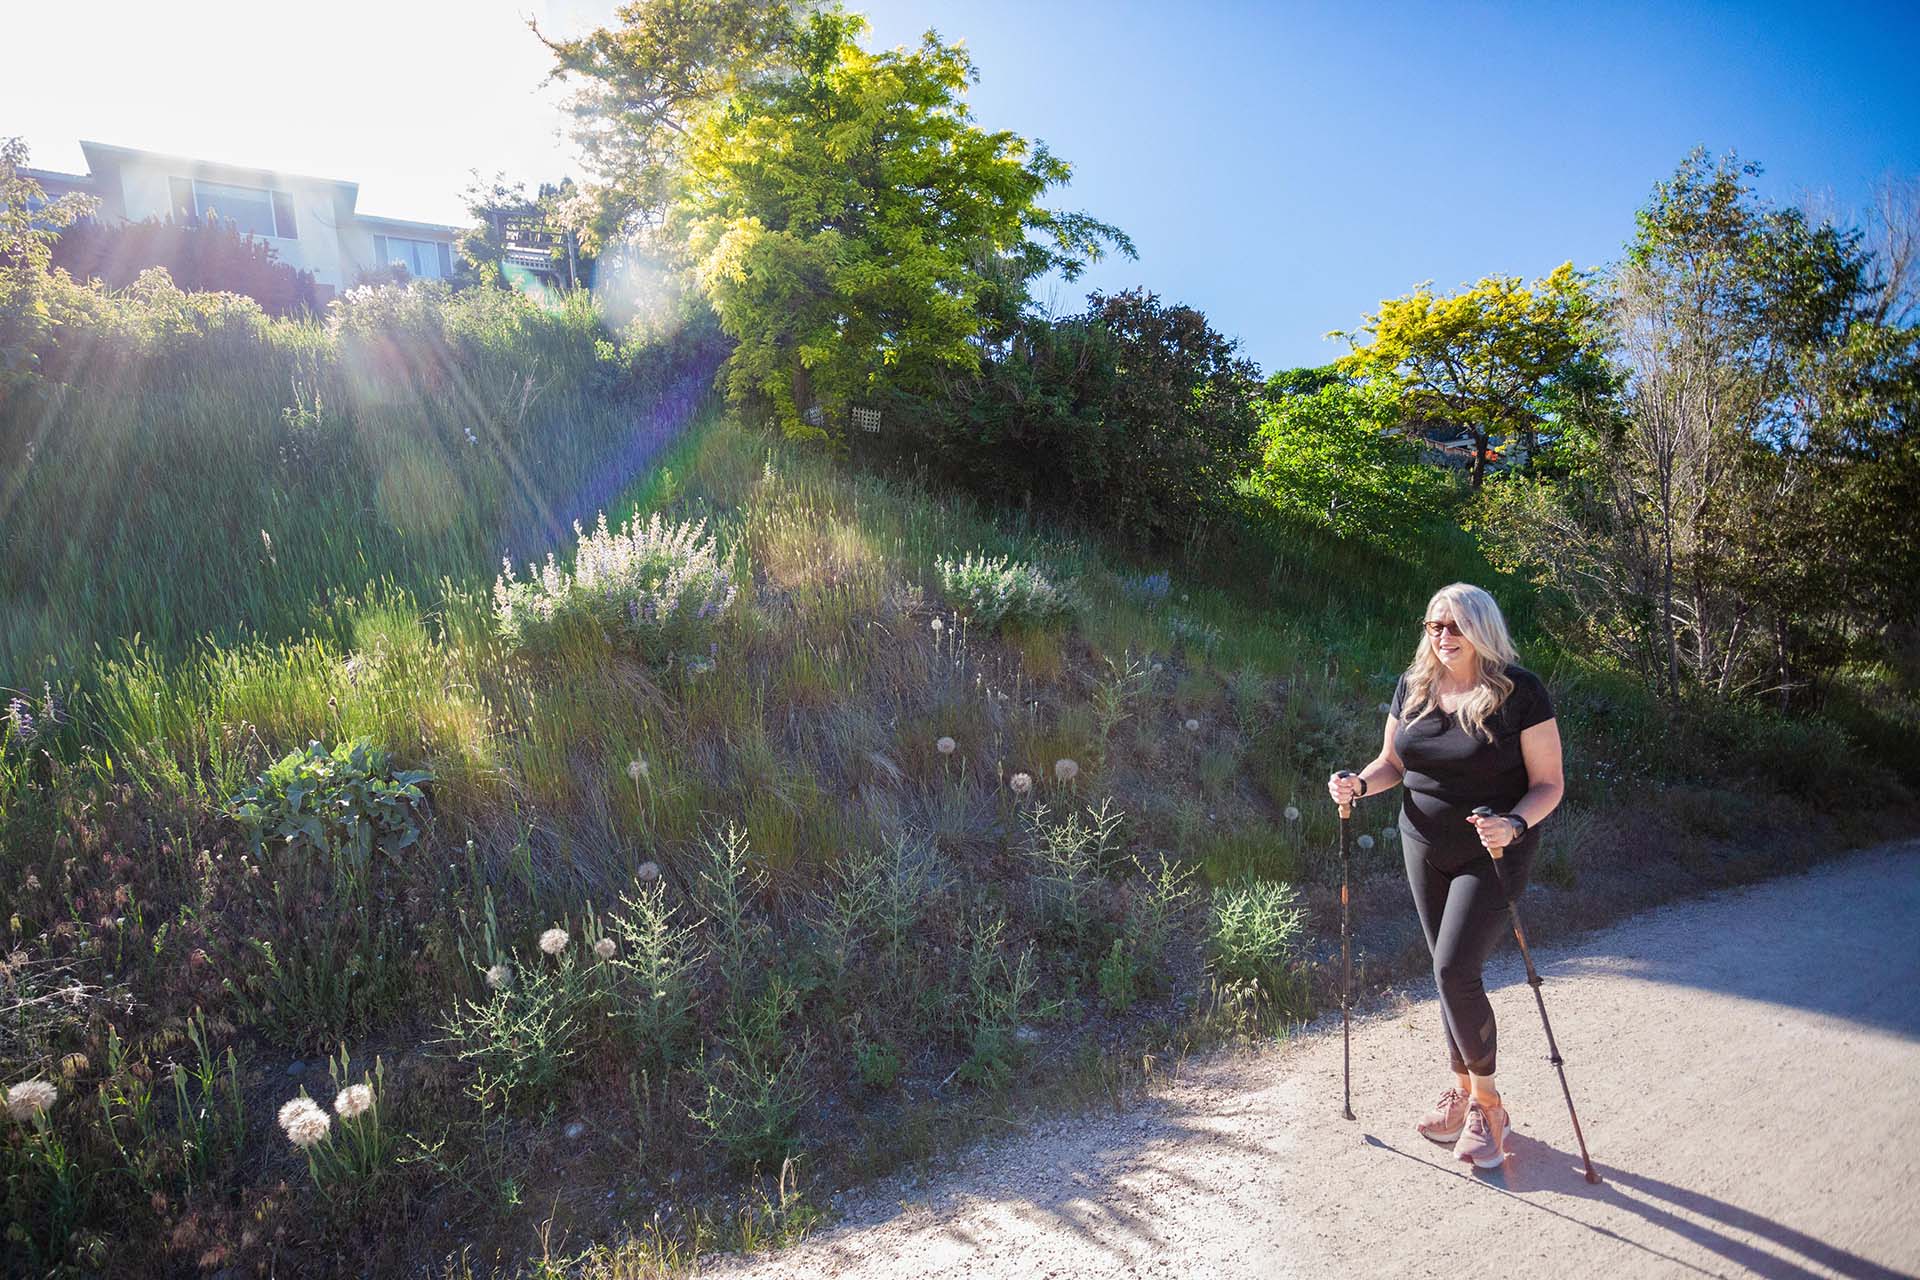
(311, 223)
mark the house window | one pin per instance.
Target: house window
(423, 259)
(250, 209)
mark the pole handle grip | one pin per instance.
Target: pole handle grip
(1346, 810)
(1485, 811)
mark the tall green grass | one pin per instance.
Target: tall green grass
(191, 468)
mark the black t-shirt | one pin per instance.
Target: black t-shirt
(1450, 772)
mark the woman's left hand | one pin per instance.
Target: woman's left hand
(1495, 832)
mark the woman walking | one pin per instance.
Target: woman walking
(1468, 726)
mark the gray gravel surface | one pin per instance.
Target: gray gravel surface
(1747, 1069)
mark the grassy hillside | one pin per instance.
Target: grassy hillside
(660, 952)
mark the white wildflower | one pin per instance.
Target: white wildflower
(1021, 783)
(604, 948)
(945, 746)
(1292, 814)
(1065, 770)
(353, 1100)
(29, 1098)
(304, 1122)
(499, 977)
(553, 941)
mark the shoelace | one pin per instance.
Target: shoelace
(1478, 1123)
(1449, 1099)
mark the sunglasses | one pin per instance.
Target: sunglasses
(1449, 626)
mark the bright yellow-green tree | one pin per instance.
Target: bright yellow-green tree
(847, 220)
(1488, 358)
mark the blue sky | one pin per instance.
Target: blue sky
(1281, 166)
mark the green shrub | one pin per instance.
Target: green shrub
(214, 257)
(1327, 458)
(878, 1063)
(755, 1085)
(1253, 933)
(324, 951)
(656, 963)
(654, 590)
(1069, 860)
(516, 1040)
(343, 803)
(999, 591)
(994, 1003)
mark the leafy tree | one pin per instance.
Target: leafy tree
(1179, 417)
(1329, 456)
(1134, 417)
(29, 226)
(1486, 358)
(847, 222)
(1723, 520)
(640, 86)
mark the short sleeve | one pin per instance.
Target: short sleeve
(1399, 696)
(1533, 705)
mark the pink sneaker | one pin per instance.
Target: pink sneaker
(1483, 1136)
(1443, 1123)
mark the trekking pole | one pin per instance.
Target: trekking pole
(1533, 980)
(1346, 960)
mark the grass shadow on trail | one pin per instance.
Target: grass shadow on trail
(1537, 1166)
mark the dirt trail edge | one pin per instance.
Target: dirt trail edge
(1747, 1069)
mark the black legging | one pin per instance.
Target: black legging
(1464, 915)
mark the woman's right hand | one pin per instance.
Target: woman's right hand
(1344, 787)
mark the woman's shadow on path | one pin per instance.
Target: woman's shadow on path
(1537, 1166)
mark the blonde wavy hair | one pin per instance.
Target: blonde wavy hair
(1478, 618)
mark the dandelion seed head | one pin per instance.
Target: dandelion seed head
(1391, 833)
(1021, 783)
(303, 1121)
(1365, 842)
(1065, 770)
(1193, 726)
(637, 768)
(553, 941)
(1292, 814)
(604, 948)
(939, 625)
(29, 1098)
(647, 872)
(499, 977)
(353, 1100)
(945, 746)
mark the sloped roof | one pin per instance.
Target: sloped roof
(103, 155)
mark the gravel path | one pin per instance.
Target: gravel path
(1747, 1069)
